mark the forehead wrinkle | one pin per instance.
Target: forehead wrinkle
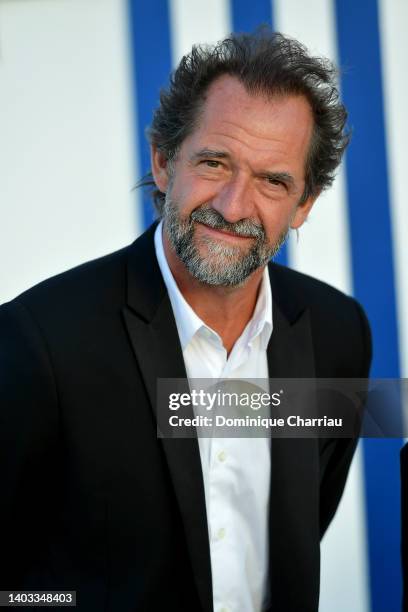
(256, 149)
(247, 133)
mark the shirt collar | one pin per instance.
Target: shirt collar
(189, 323)
(261, 321)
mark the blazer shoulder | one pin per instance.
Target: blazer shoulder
(305, 288)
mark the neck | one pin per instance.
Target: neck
(226, 310)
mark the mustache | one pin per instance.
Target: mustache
(243, 227)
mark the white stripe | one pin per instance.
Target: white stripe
(195, 21)
(324, 252)
(344, 568)
(393, 20)
(66, 137)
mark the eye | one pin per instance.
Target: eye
(211, 163)
(273, 181)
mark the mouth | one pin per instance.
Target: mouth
(223, 234)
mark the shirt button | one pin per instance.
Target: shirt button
(221, 533)
(224, 610)
(222, 455)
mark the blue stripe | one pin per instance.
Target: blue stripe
(282, 256)
(373, 277)
(151, 55)
(247, 18)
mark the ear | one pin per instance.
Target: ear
(159, 168)
(302, 212)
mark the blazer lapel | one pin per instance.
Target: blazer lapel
(154, 337)
(294, 502)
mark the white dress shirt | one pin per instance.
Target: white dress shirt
(236, 471)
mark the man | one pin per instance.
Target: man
(244, 140)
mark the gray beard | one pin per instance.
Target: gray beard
(224, 265)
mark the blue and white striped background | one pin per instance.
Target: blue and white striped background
(79, 81)
(353, 240)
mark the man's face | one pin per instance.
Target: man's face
(234, 189)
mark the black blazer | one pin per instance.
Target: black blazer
(91, 499)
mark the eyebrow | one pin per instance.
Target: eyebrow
(285, 177)
(209, 154)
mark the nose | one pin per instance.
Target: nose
(235, 200)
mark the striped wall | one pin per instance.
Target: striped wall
(79, 80)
